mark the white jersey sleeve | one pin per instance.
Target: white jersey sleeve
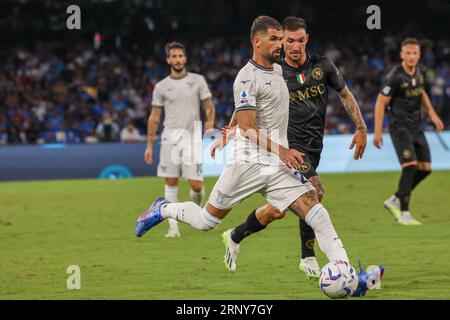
(204, 90)
(245, 92)
(157, 97)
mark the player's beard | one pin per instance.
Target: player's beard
(296, 60)
(178, 68)
(274, 57)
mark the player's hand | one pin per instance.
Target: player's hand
(148, 155)
(291, 157)
(438, 123)
(208, 125)
(228, 132)
(360, 141)
(378, 140)
(218, 144)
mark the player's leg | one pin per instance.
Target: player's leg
(171, 194)
(255, 222)
(291, 190)
(308, 262)
(423, 158)
(398, 204)
(192, 170)
(308, 207)
(169, 167)
(197, 191)
(237, 182)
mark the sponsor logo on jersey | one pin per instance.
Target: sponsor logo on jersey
(317, 73)
(413, 81)
(307, 93)
(413, 92)
(244, 97)
(404, 84)
(386, 90)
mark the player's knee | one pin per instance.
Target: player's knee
(320, 193)
(275, 214)
(196, 186)
(424, 166)
(411, 164)
(171, 182)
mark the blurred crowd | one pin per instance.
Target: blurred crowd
(58, 85)
(86, 94)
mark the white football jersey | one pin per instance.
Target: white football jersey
(265, 91)
(180, 98)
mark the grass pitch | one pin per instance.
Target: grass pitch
(47, 226)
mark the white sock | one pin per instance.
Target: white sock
(329, 242)
(190, 213)
(171, 194)
(198, 197)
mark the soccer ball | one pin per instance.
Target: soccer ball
(338, 279)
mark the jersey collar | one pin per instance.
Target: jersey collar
(179, 78)
(260, 66)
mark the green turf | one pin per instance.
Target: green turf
(47, 226)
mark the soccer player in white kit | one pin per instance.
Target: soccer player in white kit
(180, 95)
(261, 161)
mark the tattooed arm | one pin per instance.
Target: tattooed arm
(352, 108)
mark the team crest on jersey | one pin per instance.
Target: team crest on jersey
(406, 154)
(301, 78)
(244, 97)
(317, 73)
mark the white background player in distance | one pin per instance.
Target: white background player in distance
(180, 95)
(262, 111)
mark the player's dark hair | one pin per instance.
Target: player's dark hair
(262, 24)
(174, 45)
(410, 41)
(294, 23)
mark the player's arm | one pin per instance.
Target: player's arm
(353, 110)
(380, 106)
(389, 89)
(431, 112)
(335, 80)
(227, 132)
(152, 125)
(210, 113)
(246, 120)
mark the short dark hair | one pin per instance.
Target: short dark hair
(262, 24)
(294, 23)
(410, 41)
(174, 45)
